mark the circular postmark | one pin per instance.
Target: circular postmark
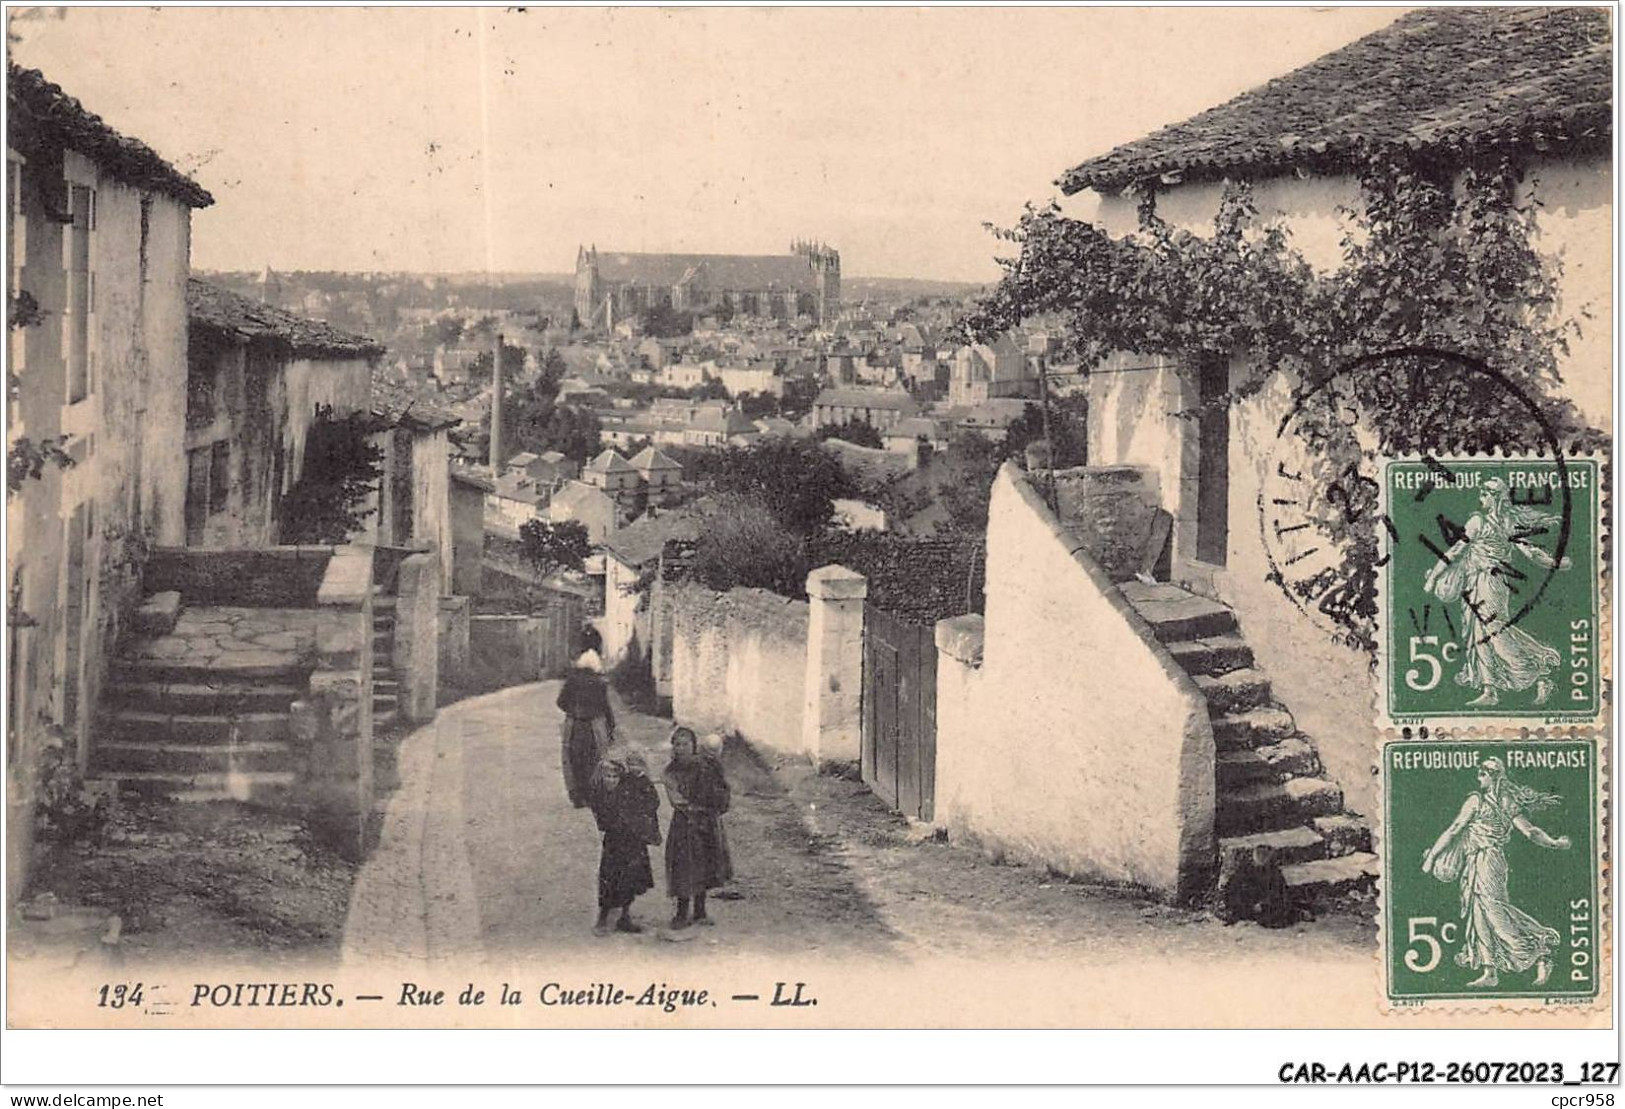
(1326, 534)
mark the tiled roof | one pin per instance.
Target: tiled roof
(478, 477)
(241, 319)
(714, 271)
(609, 461)
(1454, 81)
(641, 541)
(866, 398)
(399, 406)
(650, 459)
(42, 116)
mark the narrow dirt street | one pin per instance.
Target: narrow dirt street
(483, 858)
(482, 855)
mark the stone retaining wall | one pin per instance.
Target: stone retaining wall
(269, 577)
(1066, 734)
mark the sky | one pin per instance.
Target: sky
(470, 139)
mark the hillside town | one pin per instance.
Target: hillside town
(964, 587)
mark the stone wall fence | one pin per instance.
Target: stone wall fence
(1066, 734)
(739, 664)
(332, 724)
(455, 613)
(416, 655)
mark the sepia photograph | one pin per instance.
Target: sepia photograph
(811, 518)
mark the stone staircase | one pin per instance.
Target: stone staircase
(385, 691)
(1269, 788)
(197, 707)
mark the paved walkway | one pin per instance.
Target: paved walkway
(482, 857)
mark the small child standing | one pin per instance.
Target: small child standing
(696, 850)
(628, 813)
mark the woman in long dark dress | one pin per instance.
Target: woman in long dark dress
(628, 813)
(696, 853)
(589, 725)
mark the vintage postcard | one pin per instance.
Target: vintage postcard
(570, 518)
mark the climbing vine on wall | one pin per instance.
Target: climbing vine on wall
(27, 458)
(341, 470)
(1433, 257)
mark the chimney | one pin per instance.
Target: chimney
(496, 405)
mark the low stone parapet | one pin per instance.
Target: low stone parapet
(266, 577)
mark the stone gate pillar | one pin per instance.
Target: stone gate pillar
(832, 716)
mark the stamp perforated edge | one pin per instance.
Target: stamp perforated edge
(1602, 1001)
(1508, 727)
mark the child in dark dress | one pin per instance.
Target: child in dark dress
(696, 851)
(628, 813)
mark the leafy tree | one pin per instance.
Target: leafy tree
(551, 547)
(448, 330)
(513, 363)
(711, 388)
(858, 432)
(755, 406)
(746, 545)
(664, 322)
(573, 432)
(794, 479)
(974, 461)
(341, 471)
(799, 394)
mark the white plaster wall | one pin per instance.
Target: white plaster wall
(431, 497)
(1079, 742)
(739, 664)
(343, 384)
(1133, 402)
(619, 622)
(1575, 227)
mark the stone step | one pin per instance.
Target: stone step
(1297, 844)
(1216, 655)
(222, 669)
(1176, 615)
(383, 719)
(192, 758)
(157, 614)
(1266, 806)
(1252, 728)
(1272, 762)
(141, 726)
(383, 602)
(258, 785)
(1345, 834)
(1234, 692)
(1331, 878)
(204, 697)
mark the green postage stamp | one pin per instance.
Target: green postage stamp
(1490, 599)
(1491, 875)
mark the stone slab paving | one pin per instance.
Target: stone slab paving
(235, 636)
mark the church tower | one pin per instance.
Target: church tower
(588, 286)
(826, 266)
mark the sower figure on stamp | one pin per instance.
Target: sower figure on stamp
(589, 722)
(1496, 655)
(696, 852)
(627, 809)
(1497, 936)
